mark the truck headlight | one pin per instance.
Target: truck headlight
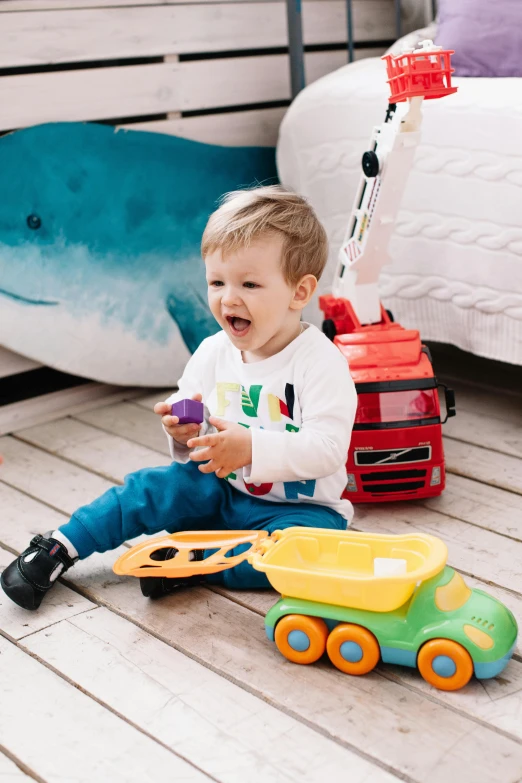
(351, 484)
(435, 477)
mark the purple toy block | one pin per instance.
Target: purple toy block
(188, 411)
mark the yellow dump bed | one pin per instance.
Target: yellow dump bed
(359, 570)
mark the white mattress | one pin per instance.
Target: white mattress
(457, 248)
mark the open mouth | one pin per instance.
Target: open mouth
(238, 326)
(25, 300)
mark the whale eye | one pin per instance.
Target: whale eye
(34, 222)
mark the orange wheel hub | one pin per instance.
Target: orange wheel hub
(301, 639)
(353, 649)
(445, 664)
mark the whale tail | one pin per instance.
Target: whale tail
(190, 312)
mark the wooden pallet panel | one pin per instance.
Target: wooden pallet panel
(62, 734)
(411, 13)
(60, 5)
(191, 709)
(128, 91)
(76, 35)
(259, 127)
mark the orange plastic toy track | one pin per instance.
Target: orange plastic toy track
(138, 562)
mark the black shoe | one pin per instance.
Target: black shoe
(26, 582)
(158, 586)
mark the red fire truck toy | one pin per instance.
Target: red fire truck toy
(396, 451)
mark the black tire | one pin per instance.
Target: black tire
(329, 329)
(390, 316)
(370, 163)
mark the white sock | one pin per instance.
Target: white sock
(56, 573)
(67, 544)
(71, 550)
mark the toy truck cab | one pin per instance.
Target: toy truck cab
(396, 450)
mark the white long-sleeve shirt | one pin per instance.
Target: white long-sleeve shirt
(300, 405)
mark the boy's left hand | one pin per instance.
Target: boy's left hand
(228, 449)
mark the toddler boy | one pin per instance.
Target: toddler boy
(279, 409)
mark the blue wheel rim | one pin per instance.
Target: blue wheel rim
(298, 641)
(351, 652)
(444, 666)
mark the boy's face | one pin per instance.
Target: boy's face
(250, 298)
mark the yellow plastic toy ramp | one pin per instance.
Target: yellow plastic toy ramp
(138, 561)
(348, 568)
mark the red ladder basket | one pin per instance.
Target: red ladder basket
(421, 73)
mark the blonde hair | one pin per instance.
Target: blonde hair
(245, 215)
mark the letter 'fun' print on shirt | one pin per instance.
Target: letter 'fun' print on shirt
(278, 410)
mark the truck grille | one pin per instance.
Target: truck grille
(373, 482)
(393, 456)
(402, 486)
(391, 475)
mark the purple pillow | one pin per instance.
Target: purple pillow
(485, 34)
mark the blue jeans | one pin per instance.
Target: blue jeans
(180, 497)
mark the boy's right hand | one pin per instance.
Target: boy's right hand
(180, 432)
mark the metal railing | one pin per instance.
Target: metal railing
(296, 46)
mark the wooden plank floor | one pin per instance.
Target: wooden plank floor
(101, 684)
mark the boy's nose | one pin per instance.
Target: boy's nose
(230, 296)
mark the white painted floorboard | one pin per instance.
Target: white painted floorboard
(189, 688)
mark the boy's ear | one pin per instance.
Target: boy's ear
(304, 291)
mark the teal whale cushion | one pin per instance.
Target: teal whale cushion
(100, 267)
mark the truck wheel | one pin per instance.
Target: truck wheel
(353, 649)
(445, 664)
(370, 163)
(301, 639)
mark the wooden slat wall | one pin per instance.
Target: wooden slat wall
(149, 63)
(43, 37)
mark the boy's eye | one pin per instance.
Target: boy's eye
(250, 285)
(216, 283)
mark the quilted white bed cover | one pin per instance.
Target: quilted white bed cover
(456, 273)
